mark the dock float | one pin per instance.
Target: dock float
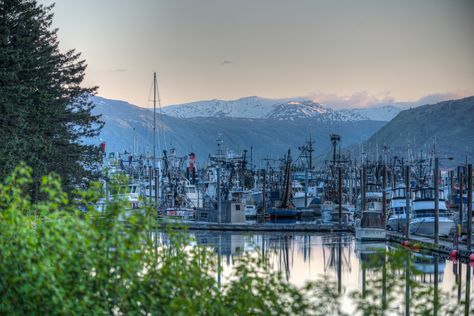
(427, 243)
(286, 227)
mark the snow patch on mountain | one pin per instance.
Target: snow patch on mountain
(280, 109)
(381, 113)
(249, 107)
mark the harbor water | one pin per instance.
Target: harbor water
(351, 265)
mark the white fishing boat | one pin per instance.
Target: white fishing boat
(422, 219)
(250, 211)
(370, 227)
(373, 199)
(397, 209)
(193, 196)
(347, 215)
(299, 196)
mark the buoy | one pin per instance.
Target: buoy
(471, 257)
(453, 253)
(416, 246)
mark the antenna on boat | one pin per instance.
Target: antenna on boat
(154, 121)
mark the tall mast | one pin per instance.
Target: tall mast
(154, 122)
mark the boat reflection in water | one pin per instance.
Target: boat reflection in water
(430, 267)
(351, 264)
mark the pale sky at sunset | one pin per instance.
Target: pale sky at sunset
(206, 49)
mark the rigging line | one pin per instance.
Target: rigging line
(163, 144)
(147, 103)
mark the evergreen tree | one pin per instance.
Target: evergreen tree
(45, 114)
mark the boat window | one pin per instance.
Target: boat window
(400, 192)
(430, 213)
(441, 194)
(428, 194)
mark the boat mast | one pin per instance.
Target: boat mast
(154, 122)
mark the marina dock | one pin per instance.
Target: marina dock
(444, 246)
(251, 227)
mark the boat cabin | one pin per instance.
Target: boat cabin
(428, 194)
(371, 220)
(399, 193)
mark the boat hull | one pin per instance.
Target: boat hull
(397, 223)
(282, 213)
(299, 202)
(370, 234)
(425, 226)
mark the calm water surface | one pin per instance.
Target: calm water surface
(304, 257)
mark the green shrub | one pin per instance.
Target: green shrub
(61, 257)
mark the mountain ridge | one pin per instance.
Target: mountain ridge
(282, 109)
(129, 127)
(447, 128)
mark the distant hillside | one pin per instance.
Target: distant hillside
(448, 125)
(269, 137)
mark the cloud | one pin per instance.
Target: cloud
(363, 99)
(226, 62)
(438, 97)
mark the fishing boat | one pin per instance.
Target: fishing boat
(374, 197)
(282, 213)
(300, 198)
(422, 219)
(286, 209)
(397, 209)
(370, 226)
(194, 197)
(250, 211)
(347, 215)
(315, 204)
(183, 213)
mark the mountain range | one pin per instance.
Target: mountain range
(271, 126)
(129, 127)
(280, 109)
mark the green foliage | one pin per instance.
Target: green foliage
(45, 111)
(61, 257)
(55, 261)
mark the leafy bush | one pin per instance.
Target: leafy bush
(61, 257)
(55, 260)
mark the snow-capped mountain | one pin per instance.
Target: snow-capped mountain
(129, 127)
(249, 107)
(381, 113)
(279, 109)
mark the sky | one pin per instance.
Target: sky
(341, 53)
